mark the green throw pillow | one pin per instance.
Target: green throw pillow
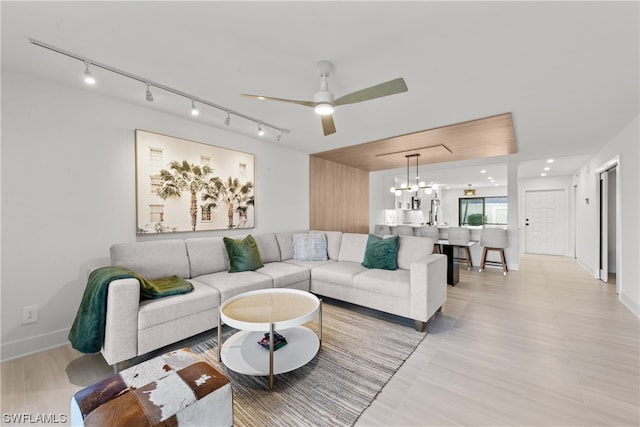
(243, 254)
(381, 253)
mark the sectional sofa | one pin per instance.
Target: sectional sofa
(416, 289)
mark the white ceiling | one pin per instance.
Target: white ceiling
(567, 71)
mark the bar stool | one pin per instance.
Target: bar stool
(382, 230)
(461, 236)
(434, 234)
(404, 230)
(494, 239)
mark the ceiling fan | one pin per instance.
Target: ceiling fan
(324, 102)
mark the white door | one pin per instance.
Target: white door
(544, 222)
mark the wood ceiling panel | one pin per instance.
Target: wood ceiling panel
(488, 137)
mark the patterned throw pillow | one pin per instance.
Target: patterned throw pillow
(310, 247)
(243, 254)
(381, 253)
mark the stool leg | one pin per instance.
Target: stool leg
(469, 261)
(504, 262)
(483, 260)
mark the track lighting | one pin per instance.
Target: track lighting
(279, 137)
(260, 130)
(88, 77)
(149, 95)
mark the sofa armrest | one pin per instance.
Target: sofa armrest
(428, 286)
(121, 327)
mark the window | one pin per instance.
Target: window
(156, 213)
(206, 213)
(482, 210)
(156, 156)
(156, 184)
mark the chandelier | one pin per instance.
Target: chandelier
(415, 187)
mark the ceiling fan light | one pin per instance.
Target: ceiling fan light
(324, 109)
(392, 189)
(398, 193)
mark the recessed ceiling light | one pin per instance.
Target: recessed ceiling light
(550, 161)
(489, 177)
(547, 168)
(483, 171)
(543, 174)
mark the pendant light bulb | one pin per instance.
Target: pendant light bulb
(88, 77)
(149, 95)
(194, 110)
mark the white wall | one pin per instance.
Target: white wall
(625, 147)
(68, 193)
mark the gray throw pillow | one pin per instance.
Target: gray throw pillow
(310, 247)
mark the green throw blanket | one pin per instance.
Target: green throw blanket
(87, 332)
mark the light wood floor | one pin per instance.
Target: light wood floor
(545, 346)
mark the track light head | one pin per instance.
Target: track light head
(194, 110)
(228, 119)
(279, 137)
(260, 130)
(88, 77)
(149, 95)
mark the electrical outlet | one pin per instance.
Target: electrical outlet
(29, 314)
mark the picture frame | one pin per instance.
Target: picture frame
(189, 186)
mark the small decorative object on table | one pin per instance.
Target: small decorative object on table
(278, 341)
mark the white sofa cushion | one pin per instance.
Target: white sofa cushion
(388, 282)
(353, 247)
(284, 273)
(153, 260)
(341, 273)
(232, 284)
(157, 311)
(308, 264)
(207, 255)
(268, 247)
(412, 249)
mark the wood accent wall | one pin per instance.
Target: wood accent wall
(338, 197)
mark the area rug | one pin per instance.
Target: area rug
(360, 352)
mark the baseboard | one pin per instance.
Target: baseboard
(24, 347)
(630, 304)
(587, 267)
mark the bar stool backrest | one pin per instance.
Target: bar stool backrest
(459, 235)
(382, 230)
(494, 238)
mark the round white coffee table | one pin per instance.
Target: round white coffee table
(268, 310)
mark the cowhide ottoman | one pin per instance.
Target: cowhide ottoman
(175, 389)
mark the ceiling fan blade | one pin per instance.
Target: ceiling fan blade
(328, 126)
(383, 89)
(291, 101)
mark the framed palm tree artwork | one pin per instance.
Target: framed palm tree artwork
(185, 185)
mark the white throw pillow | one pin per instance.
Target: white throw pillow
(310, 247)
